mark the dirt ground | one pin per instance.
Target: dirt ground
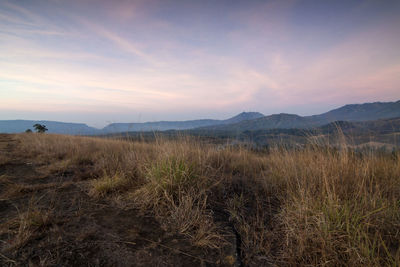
(48, 219)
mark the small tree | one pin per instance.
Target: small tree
(28, 131)
(40, 128)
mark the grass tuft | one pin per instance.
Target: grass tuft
(27, 225)
(107, 184)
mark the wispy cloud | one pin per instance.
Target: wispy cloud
(120, 42)
(161, 57)
(23, 12)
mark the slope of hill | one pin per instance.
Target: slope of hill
(385, 131)
(361, 112)
(244, 116)
(382, 126)
(183, 202)
(157, 125)
(354, 112)
(177, 125)
(282, 120)
(17, 126)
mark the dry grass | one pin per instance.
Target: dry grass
(340, 208)
(26, 225)
(315, 206)
(109, 184)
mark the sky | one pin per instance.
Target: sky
(99, 62)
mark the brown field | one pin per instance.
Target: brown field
(80, 201)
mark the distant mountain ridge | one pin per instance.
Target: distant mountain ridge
(242, 122)
(177, 125)
(353, 112)
(361, 112)
(18, 126)
(281, 121)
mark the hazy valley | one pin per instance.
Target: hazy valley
(241, 122)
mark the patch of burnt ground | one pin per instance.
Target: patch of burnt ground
(48, 219)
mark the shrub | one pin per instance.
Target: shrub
(40, 128)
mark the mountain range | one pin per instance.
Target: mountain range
(353, 112)
(245, 121)
(178, 125)
(18, 126)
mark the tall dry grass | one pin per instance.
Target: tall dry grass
(310, 207)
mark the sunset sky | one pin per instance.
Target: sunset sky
(133, 61)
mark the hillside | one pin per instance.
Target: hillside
(382, 126)
(85, 201)
(157, 126)
(177, 125)
(360, 112)
(354, 112)
(244, 116)
(384, 131)
(281, 121)
(18, 126)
